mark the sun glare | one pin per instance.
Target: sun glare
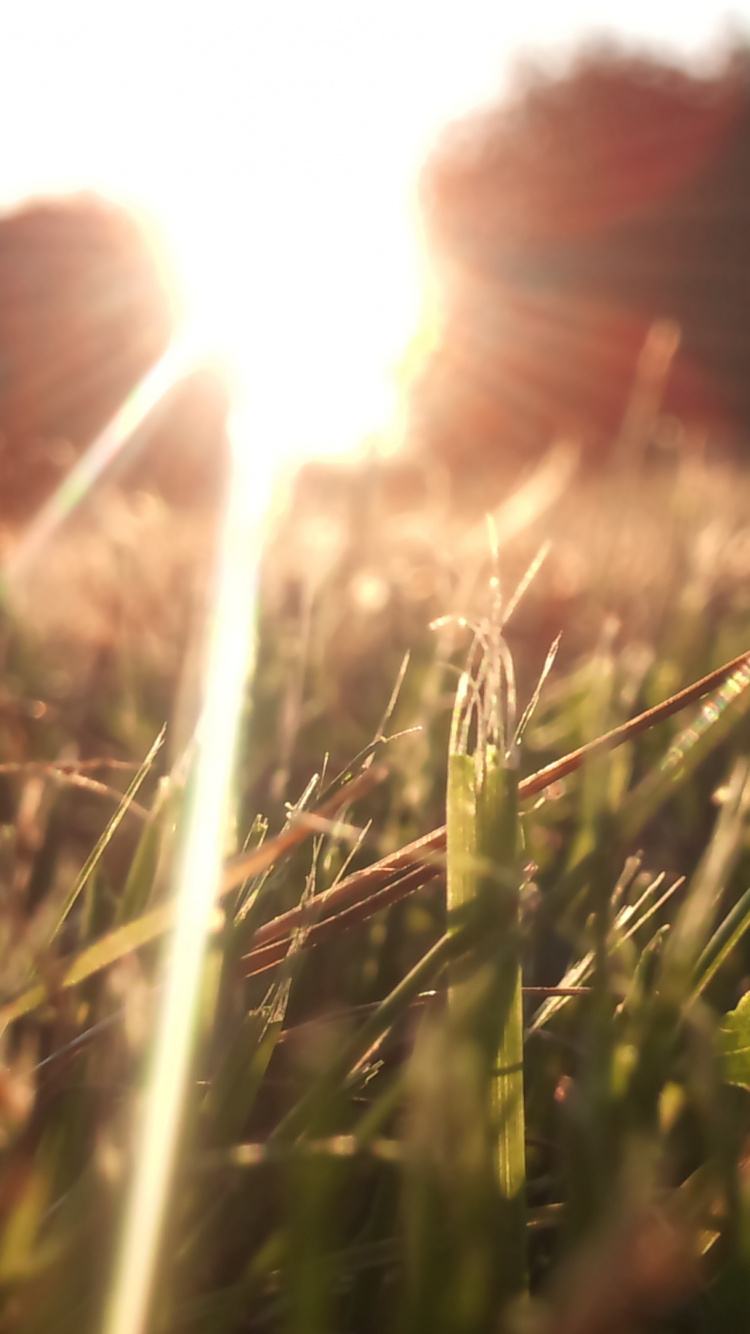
(276, 145)
(311, 310)
(297, 248)
(276, 149)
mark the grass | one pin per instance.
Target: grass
(519, 1102)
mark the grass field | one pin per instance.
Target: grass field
(498, 1086)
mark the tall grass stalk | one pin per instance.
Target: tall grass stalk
(483, 879)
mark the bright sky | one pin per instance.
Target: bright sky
(277, 143)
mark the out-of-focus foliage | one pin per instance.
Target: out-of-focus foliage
(87, 306)
(734, 1040)
(566, 222)
(338, 1167)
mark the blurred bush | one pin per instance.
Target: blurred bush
(566, 220)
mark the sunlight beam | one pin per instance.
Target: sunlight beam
(143, 404)
(204, 829)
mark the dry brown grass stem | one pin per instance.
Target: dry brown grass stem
(358, 896)
(418, 864)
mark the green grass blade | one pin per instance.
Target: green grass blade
(482, 871)
(716, 719)
(497, 839)
(461, 832)
(693, 922)
(141, 883)
(362, 1043)
(93, 860)
(726, 937)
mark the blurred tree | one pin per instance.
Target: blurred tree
(87, 306)
(565, 222)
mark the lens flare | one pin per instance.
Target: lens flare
(276, 145)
